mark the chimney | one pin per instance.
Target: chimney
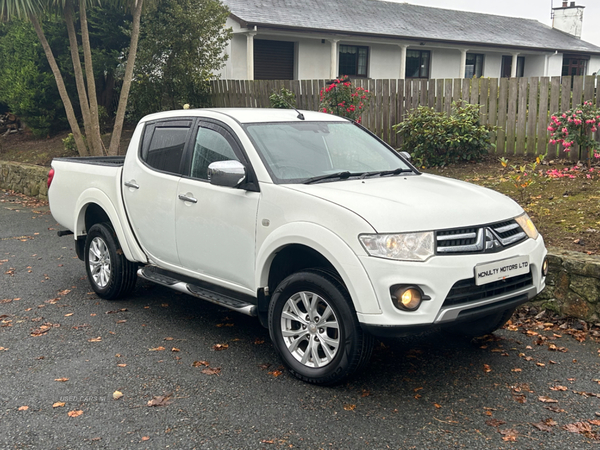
(568, 18)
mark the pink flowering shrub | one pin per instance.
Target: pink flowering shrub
(577, 126)
(343, 99)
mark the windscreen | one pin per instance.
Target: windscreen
(298, 151)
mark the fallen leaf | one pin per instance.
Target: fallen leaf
(545, 425)
(264, 366)
(437, 406)
(75, 413)
(175, 349)
(98, 339)
(62, 380)
(516, 370)
(349, 407)
(199, 363)
(275, 372)
(160, 400)
(23, 408)
(509, 435)
(558, 388)
(494, 422)
(58, 405)
(219, 347)
(121, 365)
(69, 315)
(546, 399)
(259, 341)
(594, 422)
(555, 409)
(145, 438)
(117, 395)
(157, 349)
(121, 321)
(212, 371)
(486, 368)
(578, 427)
(168, 339)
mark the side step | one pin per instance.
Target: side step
(193, 287)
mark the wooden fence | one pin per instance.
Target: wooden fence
(520, 107)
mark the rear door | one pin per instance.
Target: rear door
(150, 186)
(216, 225)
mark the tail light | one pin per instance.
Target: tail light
(50, 177)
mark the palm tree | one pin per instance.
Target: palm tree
(33, 10)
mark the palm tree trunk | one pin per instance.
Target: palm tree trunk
(91, 82)
(62, 90)
(120, 117)
(80, 83)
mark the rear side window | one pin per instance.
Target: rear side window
(164, 144)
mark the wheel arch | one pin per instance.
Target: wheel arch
(313, 243)
(94, 206)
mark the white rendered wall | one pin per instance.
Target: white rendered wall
(445, 63)
(594, 66)
(384, 61)
(555, 63)
(535, 66)
(492, 64)
(314, 59)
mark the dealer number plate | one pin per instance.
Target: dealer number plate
(501, 270)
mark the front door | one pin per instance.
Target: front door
(216, 225)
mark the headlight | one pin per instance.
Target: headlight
(402, 246)
(527, 225)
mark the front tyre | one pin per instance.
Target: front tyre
(314, 328)
(109, 272)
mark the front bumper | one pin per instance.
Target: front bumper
(436, 277)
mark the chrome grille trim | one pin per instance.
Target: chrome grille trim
(484, 238)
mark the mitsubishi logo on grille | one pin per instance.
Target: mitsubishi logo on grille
(492, 240)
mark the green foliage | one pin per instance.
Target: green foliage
(343, 99)
(284, 99)
(522, 177)
(578, 126)
(181, 45)
(27, 86)
(69, 143)
(438, 139)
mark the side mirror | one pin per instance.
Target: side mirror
(226, 173)
(406, 156)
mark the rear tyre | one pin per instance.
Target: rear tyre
(315, 330)
(111, 275)
(480, 327)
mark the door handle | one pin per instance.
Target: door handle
(185, 198)
(131, 184)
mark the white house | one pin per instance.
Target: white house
(321, 39)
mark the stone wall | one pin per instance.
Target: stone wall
(572, 285)
(26, 179)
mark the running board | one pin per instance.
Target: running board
(157, 276)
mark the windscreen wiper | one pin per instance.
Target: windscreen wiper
(341, 175)
(383, 173)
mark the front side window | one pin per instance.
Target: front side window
(295, 152)
(163, 145)
(417, 63)
(574, 65)
(210, 146)
(353, 60)
(474, 65)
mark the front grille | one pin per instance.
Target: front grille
(487, 238)
(466, 291)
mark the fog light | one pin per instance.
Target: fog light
(408, 298)
(545, 268)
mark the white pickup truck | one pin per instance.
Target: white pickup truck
(305, 220)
